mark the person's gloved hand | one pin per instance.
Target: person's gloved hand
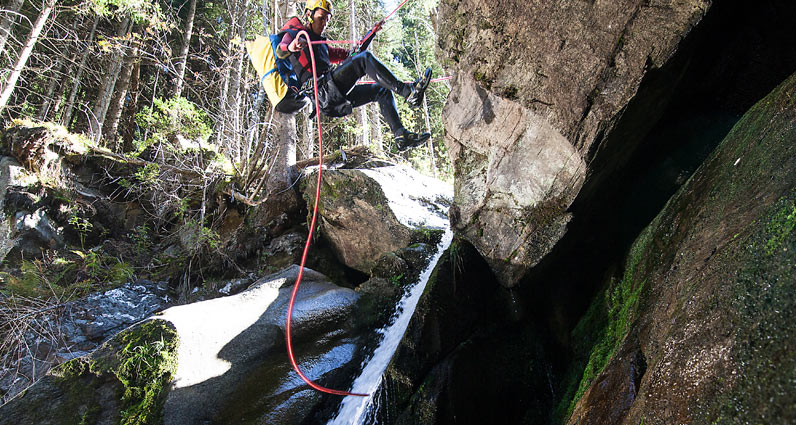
(297, 45)
(377, 27)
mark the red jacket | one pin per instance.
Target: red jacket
(325, 56)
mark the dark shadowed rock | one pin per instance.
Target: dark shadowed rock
(700, 325)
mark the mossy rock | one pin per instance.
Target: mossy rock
(710, 279)
(122, 382)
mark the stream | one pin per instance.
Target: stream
(396, 184)
(358, 410)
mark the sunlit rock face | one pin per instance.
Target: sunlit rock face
(368, 212)
(539, 86)
(231, 359)
(515, 176)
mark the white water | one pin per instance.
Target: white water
(415, 202)
(353, 409)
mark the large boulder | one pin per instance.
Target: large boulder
(230, 365)
(369, 212)
(232, 362)
(123, 381)
(539, 86)
(699, 329)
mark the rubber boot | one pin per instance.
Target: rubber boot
(419, 89)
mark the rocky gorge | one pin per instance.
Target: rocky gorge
(624, 218)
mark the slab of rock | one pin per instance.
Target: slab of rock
(366, 213)
(233, 348)
(532, 100)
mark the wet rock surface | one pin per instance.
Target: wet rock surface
(232, 360)
(76, 328)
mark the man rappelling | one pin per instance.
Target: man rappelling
(338, 92)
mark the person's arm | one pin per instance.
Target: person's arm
(371, 35)
(289, 45)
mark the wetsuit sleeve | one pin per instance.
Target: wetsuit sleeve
(337, 55)
(366, 41)
(282, 52)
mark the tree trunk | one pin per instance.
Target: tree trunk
(276, 17)
(309, 135)
(70, 104)
(132, 108)
(430, 139)
(233, 122)
(363, 135)
(376, 137)
(285, 141)
(9, 17)
(56, 81)
(106, 89)
(56, 78)
(61, 91)
(19, 66)
(114, 115)
(183, 58)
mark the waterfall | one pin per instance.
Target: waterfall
(353, 410)
(416, 201)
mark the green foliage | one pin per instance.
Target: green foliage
(75, 274)
(139, 10)
(169, 118)
(141, 239)
(148, 174)
(198, 237)
(82, 225)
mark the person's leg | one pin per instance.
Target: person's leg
(347, 74)
(366, 93)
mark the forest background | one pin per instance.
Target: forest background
(137, 76)
(170, 117)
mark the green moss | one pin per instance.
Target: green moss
(780, 227)
(146, 363)
(604, 326)
(70, 370)
(763, 306)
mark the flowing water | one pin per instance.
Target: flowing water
(354, 410)
(413, 209)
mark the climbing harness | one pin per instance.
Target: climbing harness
(293, 362)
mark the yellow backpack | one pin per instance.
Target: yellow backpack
(276, 75)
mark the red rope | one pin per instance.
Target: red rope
(309, 239)
(314, 217)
